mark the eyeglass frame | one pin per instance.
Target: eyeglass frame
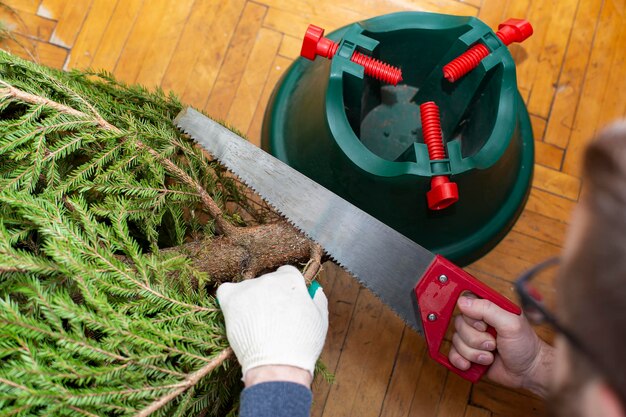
(529, 302)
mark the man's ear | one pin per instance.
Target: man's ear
(601, 400)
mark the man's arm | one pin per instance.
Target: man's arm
(277, 332)
(276, 391)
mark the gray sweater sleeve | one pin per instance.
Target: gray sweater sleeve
(276, 399)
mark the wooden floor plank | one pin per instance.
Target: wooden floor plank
(365, 364)
(200, 82)
(557, 182)
(256, 72)
(116, 33)
(295, 24)
(518, 9)
(43, 52)
(27, 23)
(52, 9)
(570, 82)
(528, 53)
(134, 52)
(472, 411)
(371, 8)
(194, 38)
(550, 58)
(615, 96)
(492, 12)
(327, 13)
(475, 3)
(595, 88)
(290, 47)
(164, 42)
(506, 402)
(542, 227)
(539, 126)
(90, 36)
(429, 389)
(28, 6)
(515, 254)
(278, 68)
(70, 23)
(455, 396)
(550, 205)
(548, 155)
(406, 373)
(341, 303)
(229, 78)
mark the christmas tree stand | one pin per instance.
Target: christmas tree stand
(363, 139)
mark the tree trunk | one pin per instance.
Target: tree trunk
(249, 251)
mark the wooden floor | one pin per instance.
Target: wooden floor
(226, 56)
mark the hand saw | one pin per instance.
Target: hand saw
(419, 286)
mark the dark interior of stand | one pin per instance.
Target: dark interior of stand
(418, 52)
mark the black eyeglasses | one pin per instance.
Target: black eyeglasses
(537, 311)
(535, 306)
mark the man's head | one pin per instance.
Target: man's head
(592, 286)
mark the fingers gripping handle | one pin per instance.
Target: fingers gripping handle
(437, 293)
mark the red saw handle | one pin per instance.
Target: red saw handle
(437, 293)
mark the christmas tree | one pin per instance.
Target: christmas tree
(115, 231)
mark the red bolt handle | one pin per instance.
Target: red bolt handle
(314, 44)
(512, 30)
(443, 193)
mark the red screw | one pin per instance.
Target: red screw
(315, 44)
(512, 30)
(443, 193)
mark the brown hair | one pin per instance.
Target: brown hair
(593, 284)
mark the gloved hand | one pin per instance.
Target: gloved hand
(272, 320)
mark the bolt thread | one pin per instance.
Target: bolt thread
(465, 62)
(504, 38)
(378, 69)
(332, 49)
(431, 130)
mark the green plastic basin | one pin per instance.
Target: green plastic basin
(363, 139)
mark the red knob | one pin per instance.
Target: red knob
(314, 44)
(514, 30)
(509, 31)
(443, 193)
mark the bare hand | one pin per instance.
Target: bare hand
(522, 360)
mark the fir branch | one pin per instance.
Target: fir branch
(15, 385)
(214, 210)
(190, 381)
(212, 207)
(62, 338)
(108, 251)
(8, 91)
(84, 412)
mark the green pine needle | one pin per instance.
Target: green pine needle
(94, 318)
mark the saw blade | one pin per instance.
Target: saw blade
(383, 260)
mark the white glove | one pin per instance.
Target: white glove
(272, 320)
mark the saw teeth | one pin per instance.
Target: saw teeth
(280, 212)
(247, 183)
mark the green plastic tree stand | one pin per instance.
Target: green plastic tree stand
(363, 140)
